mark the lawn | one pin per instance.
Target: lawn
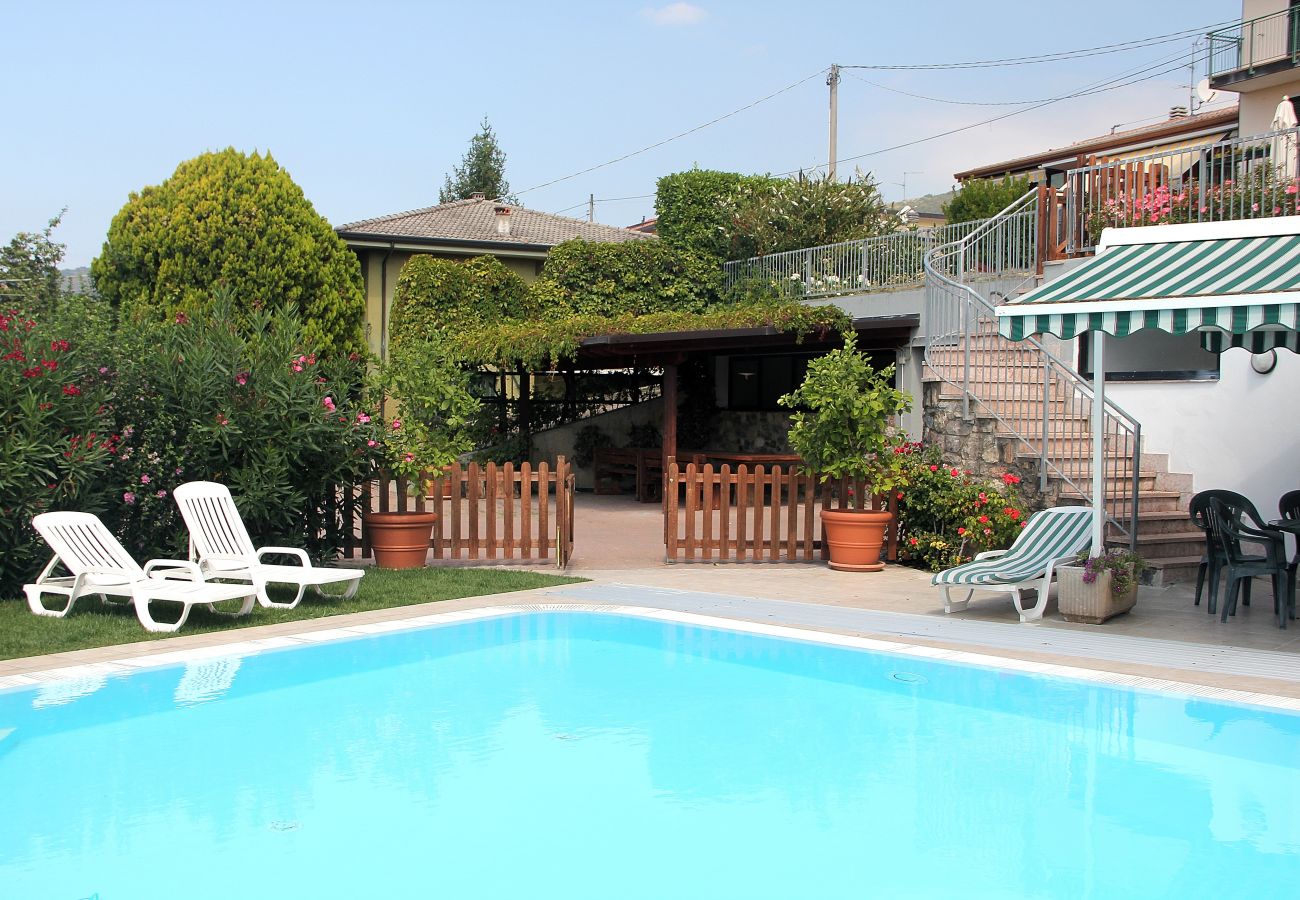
(94, 623)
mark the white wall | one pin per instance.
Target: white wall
(1241, 432)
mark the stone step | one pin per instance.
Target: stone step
(1174, 569)
(1151, 501)
(1158, 521)
(1171, 544)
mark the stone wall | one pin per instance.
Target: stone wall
(975, 445)
(750, 432)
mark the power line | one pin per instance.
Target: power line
(683, 134)
(1095, 88)
(603, 200)
(1102, 50)
(1163, 60)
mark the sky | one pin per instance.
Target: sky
(368, 105)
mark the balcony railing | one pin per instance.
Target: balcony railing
(850, 267)
(1245, 178)
(1255, 43)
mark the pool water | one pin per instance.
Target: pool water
(587, 755)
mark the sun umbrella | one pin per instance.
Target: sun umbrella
(1284, 147)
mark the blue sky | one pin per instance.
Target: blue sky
(369, 105)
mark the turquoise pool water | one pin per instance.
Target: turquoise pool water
(583, 755)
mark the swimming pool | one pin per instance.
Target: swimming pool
(593, 755)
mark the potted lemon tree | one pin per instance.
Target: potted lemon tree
(843, 427)
(431, 408)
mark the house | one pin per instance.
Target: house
(1050, 166)
(521, 238)
(1258, 59)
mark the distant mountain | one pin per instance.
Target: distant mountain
(76, 281)
(930, 203)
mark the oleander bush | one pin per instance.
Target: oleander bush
(57, 438)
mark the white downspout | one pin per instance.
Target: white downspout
(1098, 443)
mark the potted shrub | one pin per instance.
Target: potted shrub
(431, 408)
(843, 427)
(1097, 588)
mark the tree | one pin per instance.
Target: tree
(29, 268)
(984, 198)
(776, 215)
(237, 223)
(482, 170)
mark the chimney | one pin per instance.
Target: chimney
(503, 220)
(478, 195)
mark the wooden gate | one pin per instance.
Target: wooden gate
(761, 515)
(488, 513)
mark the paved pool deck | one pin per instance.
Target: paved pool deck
(619, 547)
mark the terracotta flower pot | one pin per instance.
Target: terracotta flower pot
(400, 539)
(855, 538)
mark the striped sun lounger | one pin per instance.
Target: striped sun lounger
(1050, 538)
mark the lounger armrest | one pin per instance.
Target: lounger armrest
(988, 554)
(286, 551)
(173, 568)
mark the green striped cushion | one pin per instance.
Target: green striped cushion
(1049, 535)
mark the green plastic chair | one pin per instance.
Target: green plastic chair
(1229, 531)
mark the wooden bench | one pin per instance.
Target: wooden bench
(644, 464)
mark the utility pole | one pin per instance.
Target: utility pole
(833, 79)
(591, 207)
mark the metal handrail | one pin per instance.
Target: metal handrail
(1051, 420)
(847, 267)
(1255, 42)
(1243, 178)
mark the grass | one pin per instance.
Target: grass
(94, 623)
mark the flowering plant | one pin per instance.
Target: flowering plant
(1125, 568)
(948, 514)
(1262, 193)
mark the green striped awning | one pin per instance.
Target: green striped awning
(1239, 291)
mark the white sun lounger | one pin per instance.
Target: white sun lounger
(220, 544)
(1051, 537)
(99, 564)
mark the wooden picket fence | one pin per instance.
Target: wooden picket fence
(758, 515)
(488, 513)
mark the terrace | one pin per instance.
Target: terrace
(1255, 48)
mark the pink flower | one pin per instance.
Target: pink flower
(297, 367)
(328, 403)
(362, 418)
(410, 457)
(372, 443)
(181, 318)
(128, 498)
(397, 424)
(103, 370)
(241, 379)
(160, 494)
(1254, 207)
(145, 479)
(1291, 188)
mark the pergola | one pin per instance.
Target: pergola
(1237, 283)
(670, 349)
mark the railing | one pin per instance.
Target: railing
(484, 512)
(888, 261)
(759, 514)
(1248, 45)
(1037, 399)
(1246, 178)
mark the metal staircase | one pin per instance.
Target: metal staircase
(1039, 401)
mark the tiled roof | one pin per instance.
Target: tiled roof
(475, 220)
(1168, 129)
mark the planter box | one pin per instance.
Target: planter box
(1090, 603)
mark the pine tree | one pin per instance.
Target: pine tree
(481, 170)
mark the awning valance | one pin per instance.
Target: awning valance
(1198, 280)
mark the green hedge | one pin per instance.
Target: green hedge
(695, 211)
(634, 277)
(436, 297)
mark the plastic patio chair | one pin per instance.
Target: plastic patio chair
(1213, 560)
(1289, 508)
(1051, 537)
(1228, 529)
(220, 544)
(100, 565)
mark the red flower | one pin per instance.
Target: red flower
(1008, 478)
(59, 346)
(954, 473)
(71, 390)
(181, 318)
(934, 468)
(14, 356)
(961, 530)
(33, 372)
(1012, 512)
(983, 520)
(50, 364)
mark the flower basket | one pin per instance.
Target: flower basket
(1093, 603)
